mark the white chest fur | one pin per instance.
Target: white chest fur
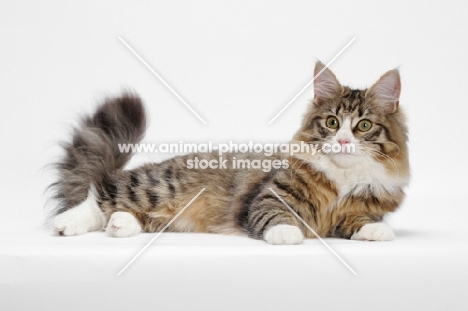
(363, 175)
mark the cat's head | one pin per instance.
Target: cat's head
(368, 120)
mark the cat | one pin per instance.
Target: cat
(339, 194)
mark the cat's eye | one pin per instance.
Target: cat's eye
(332, 122)
(364, 125)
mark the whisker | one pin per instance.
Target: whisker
(375, 152)
(295, 170)
(292, 167)
(388, 142)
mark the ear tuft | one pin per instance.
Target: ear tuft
(386, 91)
(325, 84)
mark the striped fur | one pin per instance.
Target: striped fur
(335, 194)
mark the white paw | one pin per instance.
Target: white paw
(67, 224)
(123, 225)
(374, 232)
(283, 234)
(80, 219)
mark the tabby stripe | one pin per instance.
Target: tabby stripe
(354, 94)
(381, 146)
(375, 133)
(338, 230)
(375, 200)
(171, 188)
(267, 222)
(256, 216)
(110, 188)
(360, 112)
(313, 211)
(314, 121)
(132, 194)
(292, 191)
(125, 205)
(168, 174)
(315, 126)
(337, 110)
(298, 178)
(177, 174)
(267, 196)
(249, 198)
(387, 132)
(134, 179)
(323, 132)
(152, 197)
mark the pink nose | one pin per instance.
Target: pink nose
(344, 141)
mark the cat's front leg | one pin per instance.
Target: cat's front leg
(283, 234)
(268, 219)
(364, 227)
(377, 231)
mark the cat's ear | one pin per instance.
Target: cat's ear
(386, 91)
(326, 85)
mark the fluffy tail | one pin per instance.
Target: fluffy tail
(93, 152)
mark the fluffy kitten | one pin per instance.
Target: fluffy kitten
(337, 194)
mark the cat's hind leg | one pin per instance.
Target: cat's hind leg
(122, 225)
(85, 217)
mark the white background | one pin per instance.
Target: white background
(237, 64)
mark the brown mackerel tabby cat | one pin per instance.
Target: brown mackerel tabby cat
(338, 194)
